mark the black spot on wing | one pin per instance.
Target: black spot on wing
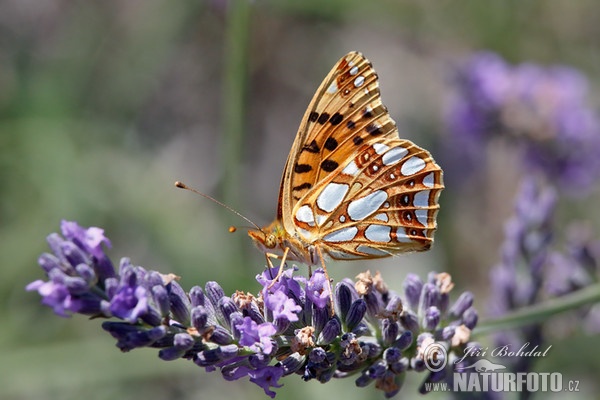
(312, 147)
(323, 118)
(302, 168)
(330, 144)
(357, 140)
(305, 185)
(313, 116)
(373, 129)
(329, 165)
(350, 124)
(336, 118)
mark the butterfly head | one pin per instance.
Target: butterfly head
(273, 239)
(269, 238)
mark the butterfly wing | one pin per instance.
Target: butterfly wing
(351, 185)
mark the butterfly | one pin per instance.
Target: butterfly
(351, 188)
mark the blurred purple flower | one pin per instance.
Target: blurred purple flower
(544, 110)
(531, 270)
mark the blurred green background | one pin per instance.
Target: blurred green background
(103, 105)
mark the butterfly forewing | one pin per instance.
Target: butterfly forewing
(351, 186)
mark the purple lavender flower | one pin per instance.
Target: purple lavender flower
(256, 337)
(543, 110)
(288, 328)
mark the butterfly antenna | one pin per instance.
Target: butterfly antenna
(182, 185)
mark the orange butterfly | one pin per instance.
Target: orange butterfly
(351, 188)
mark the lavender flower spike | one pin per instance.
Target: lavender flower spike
(286, 328)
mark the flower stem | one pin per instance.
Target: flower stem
(539, 312)
(234, 116)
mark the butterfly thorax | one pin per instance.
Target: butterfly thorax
(274, 239)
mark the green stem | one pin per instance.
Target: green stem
(233, 117)
(233, 106)
(540, 312)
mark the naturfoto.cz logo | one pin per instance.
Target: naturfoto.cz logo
(485, 376)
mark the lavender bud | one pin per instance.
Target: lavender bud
(356, 313)
(363, 380)
(361, 329)
(199, 318)
(221, 336)
(76, 285)
(91, 305)
(255, 314)
(371, 349)
(151, 317)
(226, 308)
(394, 307)
(124, 264)
(196, 296)
(48, 262)
(409, 321)
(343, 297)
(229, 351)
(431, 318)
(317, 355)
(104, 268)
(390, 330)
(412, 290)
(180, 304)
(464, 301)
(170, 353)
(236, 318)
(400, 366)
(183, 341)
(469, 318)
(258, 360)
(208, 357)
(281, 323)
(111, 285)
(87, 273)
(214, 292)
(130, 336)
(153, 278)
(330, 332)
(73, 254)
(320, 316)
(377, 370)
(55, 241)
(291, 363)
(444, 302)
(392, 355)
(448, 332)
(430, 296)
(161, 299)
(374, 304)
(404, 341)
(418, 364)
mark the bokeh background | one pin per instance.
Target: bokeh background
(103, 105)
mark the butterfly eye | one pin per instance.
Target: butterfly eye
(270, 241)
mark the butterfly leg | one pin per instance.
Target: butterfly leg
(328, 279)
(280, 271)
